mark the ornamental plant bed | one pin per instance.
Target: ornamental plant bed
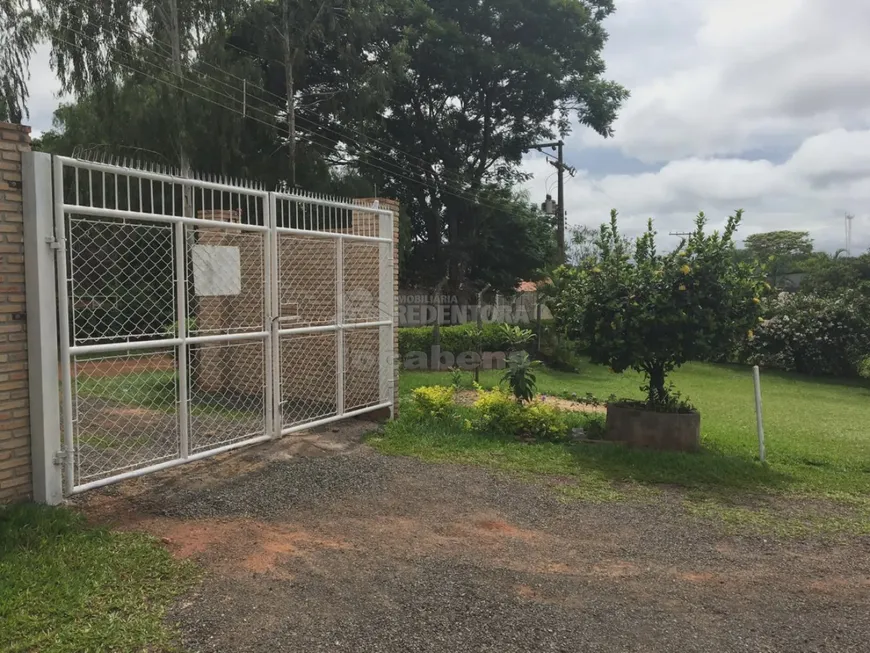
(638, 426)
(468, 397)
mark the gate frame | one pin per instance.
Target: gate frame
(49, 319)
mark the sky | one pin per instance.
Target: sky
(762, 105)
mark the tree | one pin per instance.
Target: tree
(828, 276)
(19, 30)
(779, 250)
(482, 82)
(511, 241)
(652, 312)
(581, 244)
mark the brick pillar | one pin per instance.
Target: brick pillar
(15, 480)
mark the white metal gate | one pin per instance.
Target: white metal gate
(196, 316)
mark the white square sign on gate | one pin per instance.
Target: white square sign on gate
(217, 270)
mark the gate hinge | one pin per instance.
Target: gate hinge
(52, 242)
(60, 457)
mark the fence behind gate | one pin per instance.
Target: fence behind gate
(196, 316)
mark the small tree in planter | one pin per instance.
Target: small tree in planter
(652, 312)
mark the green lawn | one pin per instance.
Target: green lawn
(818, 439)
(69, 587)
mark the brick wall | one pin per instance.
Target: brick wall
(15, 483)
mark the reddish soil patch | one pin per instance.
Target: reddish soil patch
(120, 366)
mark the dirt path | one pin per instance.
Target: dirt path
(306, 550)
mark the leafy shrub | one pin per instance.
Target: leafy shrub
(456, 377)
(813, 335)
(652, 312)
(454, 339)
(516, 337)
(519, 376)
(497, 412)
(543, 422)
(432, 402)
(864, 368)
(560, 352)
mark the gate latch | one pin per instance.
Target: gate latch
(60, 457)
(52, 242)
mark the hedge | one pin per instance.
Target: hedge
(454, 339)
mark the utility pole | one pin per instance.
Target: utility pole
(561, 169)
(849, 219)
(178, 69)
(291, 94)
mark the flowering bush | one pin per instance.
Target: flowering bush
(813, 335)
(499, 412)
(652, 312)
(432, 401)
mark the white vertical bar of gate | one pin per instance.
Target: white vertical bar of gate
(386, 301)
(64, 326)
(339, 326)
(182, 356)
(273, 428)
(41, 327)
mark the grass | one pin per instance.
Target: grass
(152, 389)
(69, 587)
(155, 390)
(818, 447)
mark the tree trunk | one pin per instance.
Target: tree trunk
(657, 392)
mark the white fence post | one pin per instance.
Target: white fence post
(759, 422)
(42, 354)
(386, 302)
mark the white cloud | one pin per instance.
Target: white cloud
(760, 105)
(741, 75)
(811, 191)
(44, 90)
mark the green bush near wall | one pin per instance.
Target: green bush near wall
(454, 339)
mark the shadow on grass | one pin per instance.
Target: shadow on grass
(708, 469)
(712, 370)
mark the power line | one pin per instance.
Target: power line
(429, 168)
(445, 189)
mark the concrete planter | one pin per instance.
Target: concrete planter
(645, 428)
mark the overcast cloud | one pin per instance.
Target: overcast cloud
(760, 105)
(756, 104)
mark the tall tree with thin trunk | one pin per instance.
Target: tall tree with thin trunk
(19, 30)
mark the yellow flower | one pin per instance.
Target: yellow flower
(685, 269)
(613, 325)
(682, 286)
(751, 334)
(761, 320)
(756, 300)
(596, 270)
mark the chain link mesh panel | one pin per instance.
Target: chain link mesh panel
(308, 378)
(226, 285)
(361, 368)
(121, 280)
(125, 412)
(307, 278)
(362, 282)
(227, 387)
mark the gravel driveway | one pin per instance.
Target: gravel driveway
(309, 551)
